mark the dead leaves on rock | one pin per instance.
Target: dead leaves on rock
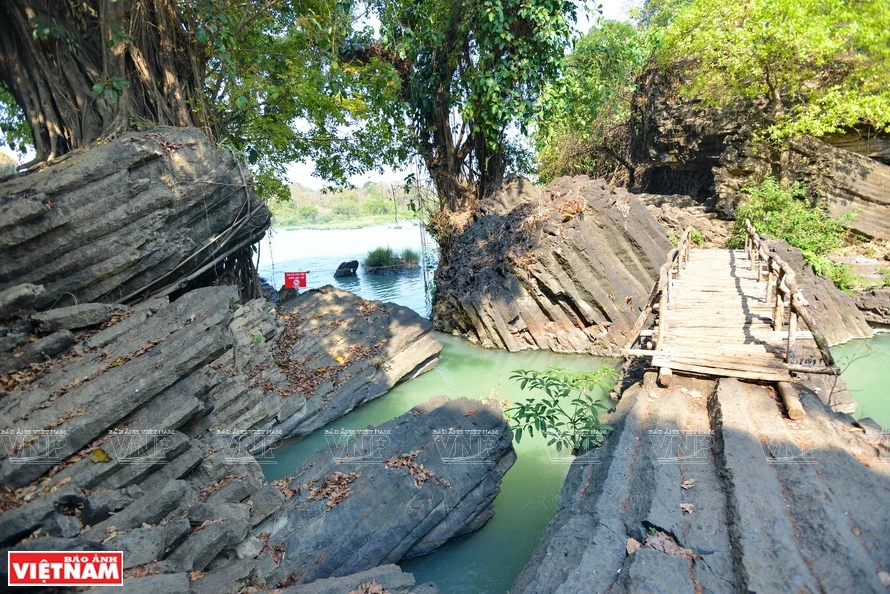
(335, 488)
(207, 492)
(276, 551)
(662, 542)
(420, 474)
(371, 587)
(283, 486)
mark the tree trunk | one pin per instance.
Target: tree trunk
(138, 57)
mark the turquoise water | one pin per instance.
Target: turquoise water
(865, 366)
(489, 560)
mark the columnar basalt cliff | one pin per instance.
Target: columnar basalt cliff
(567, 268)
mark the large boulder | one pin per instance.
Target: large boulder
(402, 489)
(875, 304)
(567, 268)
(338, 351)
(143, 215)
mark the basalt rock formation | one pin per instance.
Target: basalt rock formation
(400, 490)
(706, 487)
(567, 268)
(142, 216)
(145, 429)
(836, 313)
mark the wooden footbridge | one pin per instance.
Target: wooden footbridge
(730, 313)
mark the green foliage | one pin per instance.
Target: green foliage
(410, 257)
(820, 65)
(785, 213)
(591, 100)
(841, 275)
(380, 257)
(568, 413)
(696, 237)
(14, 129)
(375, 206)
(884, 273)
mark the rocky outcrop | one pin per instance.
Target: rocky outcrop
(346, 269)
(144, 215)
(835, 312)
(339, 351)
(137, 436)
(676, 213)
(705, 487)
(567, 268)
(686, 146)
(875, 305)
(401, 490)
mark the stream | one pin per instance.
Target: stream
(489, 560)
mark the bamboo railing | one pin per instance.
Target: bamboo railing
(677, 259)
(782, 290)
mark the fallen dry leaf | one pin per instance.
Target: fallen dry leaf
(633, 545)
(687, 483)
(687, 508)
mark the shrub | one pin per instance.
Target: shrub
(376, 207)
(346, 208)
(578, 430)
(697, 237)
(411, 257)
(382, 256)
(307, 212)
(784, 213)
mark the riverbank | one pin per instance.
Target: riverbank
(405, 219)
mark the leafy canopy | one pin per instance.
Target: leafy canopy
(592, 100)
(822, 65)
(785, 213)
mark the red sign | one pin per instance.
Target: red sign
(65, 568)
(294, 279)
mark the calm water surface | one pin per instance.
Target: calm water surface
(866, 369)
(319, 252)
(488, 561)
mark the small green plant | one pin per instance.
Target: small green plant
(256, 338)
(884, 273)
(410, 257)
(696, 237)
(379, 257)
(569, 412)
(841, 275)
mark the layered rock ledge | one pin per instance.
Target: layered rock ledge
(567, 269)
(705, 486)
(141, 216)
(137, 434)
(399, 491)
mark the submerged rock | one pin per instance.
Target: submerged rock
(705, 487)
(400, 490)
(566, 269)
(346, 269)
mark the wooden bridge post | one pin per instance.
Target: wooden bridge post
(792, 334)
(779, 306)
(771, 281)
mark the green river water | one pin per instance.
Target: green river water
(489, 560)
(865, 366)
